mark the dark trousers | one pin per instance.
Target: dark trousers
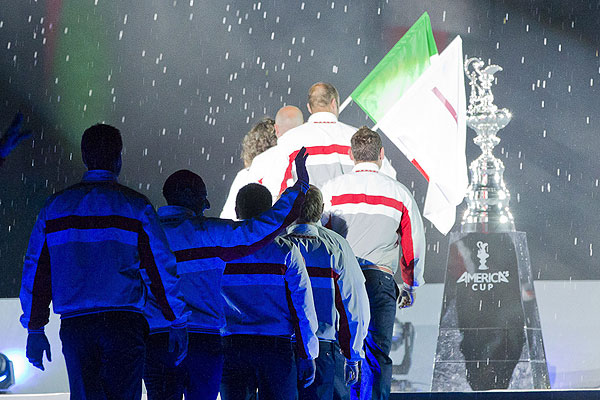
(104, 354)
(340, 390)
(323, 386)
(198, 376)
(263, 363)
(376, 376)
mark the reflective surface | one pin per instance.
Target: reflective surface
(487, 195)
(490, 335)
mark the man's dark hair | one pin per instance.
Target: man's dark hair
(260, 138)
(252, 200)
(184, 188)
(312, 208)
(320, 95)
(101, 146)
(366, 145)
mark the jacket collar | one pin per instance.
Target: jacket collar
(99, 175)
(304, 229)
(169, 212)
(365, 167)
(322, 117)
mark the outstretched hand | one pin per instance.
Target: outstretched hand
(37, 344)
(300, 162)
(13, 136)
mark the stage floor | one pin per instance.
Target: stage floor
(496, 395)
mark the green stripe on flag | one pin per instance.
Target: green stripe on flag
(394, 74)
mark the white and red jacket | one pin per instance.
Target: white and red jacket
(242, 178)
(268, 293)
(327, 142)
(202, 246)
(379, 217)
(87, 249)
(338, 286)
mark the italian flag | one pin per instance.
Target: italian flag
(417, 98)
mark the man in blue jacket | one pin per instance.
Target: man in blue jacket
(202, 245)
(86, 251)
(268, 300)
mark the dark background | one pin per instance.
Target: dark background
(184, 80)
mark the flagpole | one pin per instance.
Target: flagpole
(344, 104)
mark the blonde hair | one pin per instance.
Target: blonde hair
(260, 138)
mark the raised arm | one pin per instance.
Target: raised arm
(233, 240)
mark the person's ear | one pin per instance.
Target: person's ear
(381, 154)
(351, 155)
(308, 107)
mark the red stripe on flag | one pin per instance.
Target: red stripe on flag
(421, 170)
(446, 103)
(357, 198)
(312, 151)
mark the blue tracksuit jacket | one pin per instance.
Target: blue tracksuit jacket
(202, 245)
(87, 249)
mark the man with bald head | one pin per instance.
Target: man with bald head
(288, 117)
(327, 142)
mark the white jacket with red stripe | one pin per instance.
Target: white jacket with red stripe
(327, 142)
(338, 286)
(379, 217)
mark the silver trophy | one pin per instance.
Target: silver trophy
(490, 335)
(487, 196)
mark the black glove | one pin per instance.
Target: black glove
(13, 136)
(407, 296)
(178, 343)
(351, 372)
(306, 371)
(37, 343)
(301, 171)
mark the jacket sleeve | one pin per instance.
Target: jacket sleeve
(160, 265)
(301, 304)
(412, 242)
(36, 284)
(352, 303)
(236, 239)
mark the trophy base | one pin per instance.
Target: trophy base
(490, 336)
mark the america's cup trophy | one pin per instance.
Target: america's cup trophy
(490, 335)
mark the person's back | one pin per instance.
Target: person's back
(268, 300)
(86, 253)
(326, 139)
(373, 212)
(98, 216)
(261, 138)
(379, 218)
(202, 246)
(340, 299)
